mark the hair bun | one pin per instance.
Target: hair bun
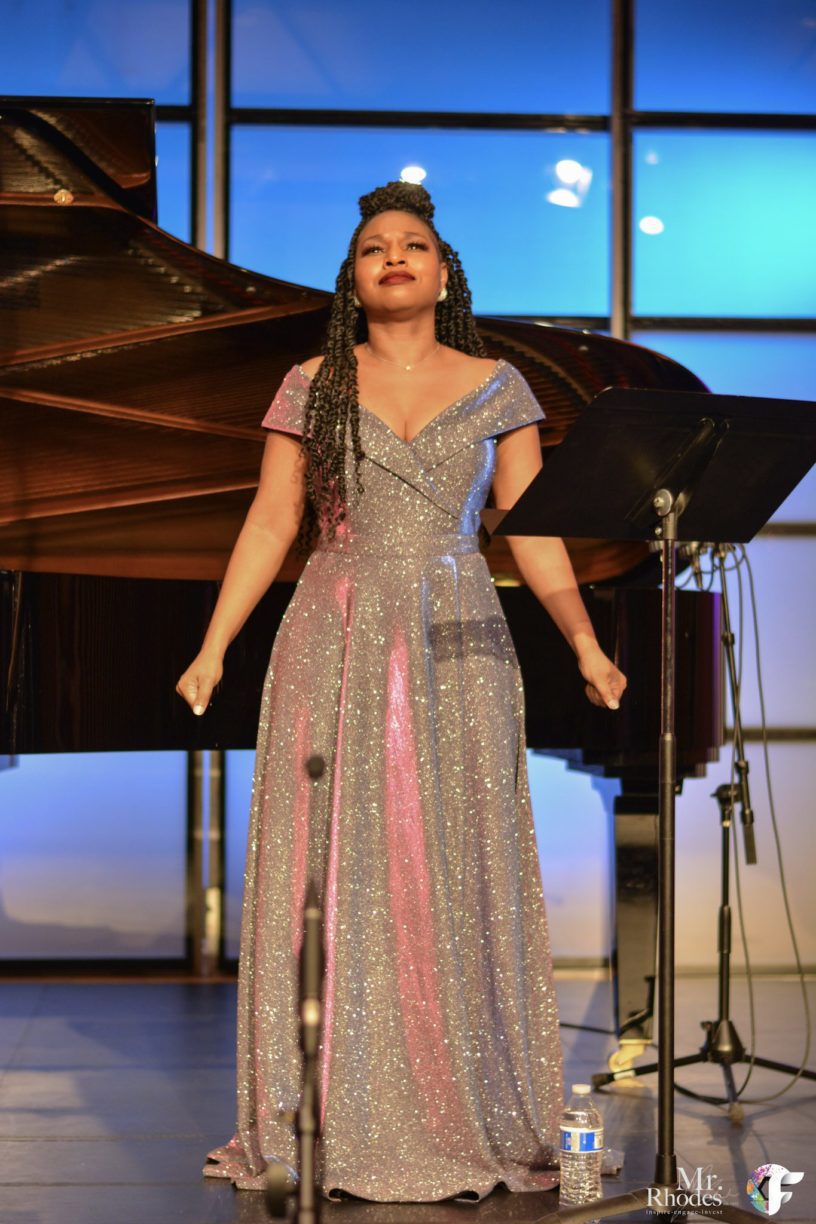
(404, 197)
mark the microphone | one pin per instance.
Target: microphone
(315, 766)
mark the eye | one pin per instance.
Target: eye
(376, 246)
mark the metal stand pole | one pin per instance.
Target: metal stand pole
(205, 860)
(666, 1163)
(213, 882)
(195, 861)
(659, 1197)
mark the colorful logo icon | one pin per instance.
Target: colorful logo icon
(765, 1187)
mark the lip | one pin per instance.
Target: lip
(395, 278)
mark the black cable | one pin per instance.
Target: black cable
(749, 976)
(741, 558)
(777, 842)
(725, 551)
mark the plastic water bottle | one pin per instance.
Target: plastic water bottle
(582, 1148)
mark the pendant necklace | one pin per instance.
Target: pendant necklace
(401, 365)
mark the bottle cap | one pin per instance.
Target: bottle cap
(581, 1089)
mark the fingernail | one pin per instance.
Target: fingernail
(613, 704)
(199, 709)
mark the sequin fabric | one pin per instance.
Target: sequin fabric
(440, 1064)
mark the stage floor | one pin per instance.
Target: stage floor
(112, 1093)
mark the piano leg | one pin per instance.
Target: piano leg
(634, 952)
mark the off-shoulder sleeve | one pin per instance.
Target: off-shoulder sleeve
(505, 401)
(514, 404)
(287, 409)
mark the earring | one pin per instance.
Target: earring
(443, 293)
(355, 301)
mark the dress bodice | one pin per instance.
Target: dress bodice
(428, 491)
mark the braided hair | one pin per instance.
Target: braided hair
(332, 407)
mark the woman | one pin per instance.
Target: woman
(440, 1064)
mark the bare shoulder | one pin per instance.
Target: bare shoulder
(311, 365)
(484, 365)
(479, 366)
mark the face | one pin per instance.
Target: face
(397, 268)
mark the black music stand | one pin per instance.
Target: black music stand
(668, 466)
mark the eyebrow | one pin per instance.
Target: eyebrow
(404, 234)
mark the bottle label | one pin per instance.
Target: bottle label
(581, 1139)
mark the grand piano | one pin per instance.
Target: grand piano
(134, 372)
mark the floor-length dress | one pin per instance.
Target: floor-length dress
(440, 1062)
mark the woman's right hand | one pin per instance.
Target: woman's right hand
(268, 532)
(199, 680)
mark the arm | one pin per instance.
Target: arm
(268, 532)
(546, 568)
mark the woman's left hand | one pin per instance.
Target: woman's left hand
(605, 682)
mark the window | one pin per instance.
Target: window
(294, 207)
(723, 224)
(97, 49)
(730, 55)
(512, 57)
(173, 178)
(94, 856)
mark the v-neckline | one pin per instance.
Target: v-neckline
(455, 404)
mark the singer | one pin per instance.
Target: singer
(440, 1064)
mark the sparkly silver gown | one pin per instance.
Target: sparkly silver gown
(440, 1062)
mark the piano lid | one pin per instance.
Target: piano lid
(98, 149)
(135, 369)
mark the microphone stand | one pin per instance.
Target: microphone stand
(722, 1044)
(308, 1117)
(740, 763)
(279, 1185)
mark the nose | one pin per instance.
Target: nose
(392, 260)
